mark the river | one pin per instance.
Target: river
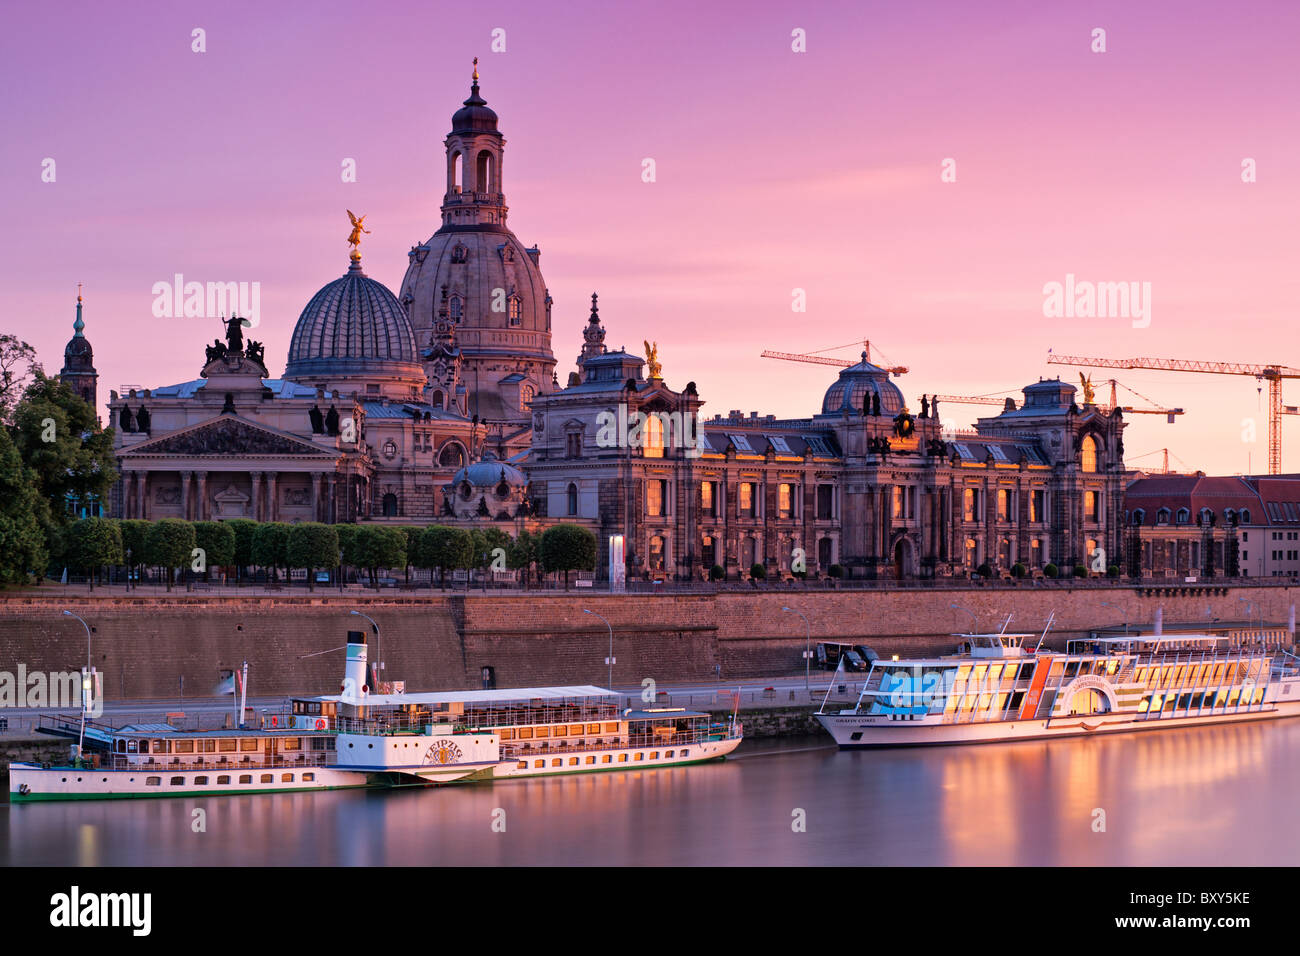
(1202, 797)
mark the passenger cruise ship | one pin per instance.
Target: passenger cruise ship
(359, 739)
(1000, 688)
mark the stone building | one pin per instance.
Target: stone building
(865, 483)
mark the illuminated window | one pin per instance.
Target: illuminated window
(707, 505)
(653, 434)
(656, 495)
(1092, 506)
(784, 501)
(1088, 454)
(746, 499)
(656, 553)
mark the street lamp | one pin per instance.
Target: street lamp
(128, 569)
(807, 648)
(609, 660)
(340, 572)
(379, 656)
(85, 677)
(1121, 610)
(975, 623)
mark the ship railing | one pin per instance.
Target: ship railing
(165, 763)
(517, 751)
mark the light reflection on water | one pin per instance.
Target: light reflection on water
(1207, 796)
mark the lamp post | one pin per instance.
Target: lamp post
(1121, 610)
(340, 572)
(85, 688)
(128, 569)
(380, 658)
(975, 622)
(609, 660)
(807, 649)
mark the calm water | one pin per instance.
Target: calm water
(1211, 796)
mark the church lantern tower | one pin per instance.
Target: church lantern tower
(79, 362)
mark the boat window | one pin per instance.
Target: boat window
(286, 778)
(590, 759)
(604, 758)
(289, 743)
(309, 778)
(611, 728)
(542, 732)
(669, 754)
(227, 745)
(525, 733)
(561, 730)
(153, 781)
(622, 758)
(223, 780)
(178, 781)
(248, 744)
(654, 755)
(540, 764)
(639, 756)
(184, 747)
(160, 747)
(245, 778)
(507, 733)
(200, 781)
(593, 728)
(557, 762)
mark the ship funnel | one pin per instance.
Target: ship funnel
(1160, 620)
(355, 683)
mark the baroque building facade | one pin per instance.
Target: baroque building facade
(441, 404)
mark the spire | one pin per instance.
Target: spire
(78, 325)
(474, 98)
(593, 335)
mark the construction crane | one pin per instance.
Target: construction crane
(822, 360)
(1273, 374)
(1154, 409)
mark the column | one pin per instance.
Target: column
(315, 495)
(256, 503)
(272, 500)
(141, 494)
(201, 506)
(331, 506)
(186, 512)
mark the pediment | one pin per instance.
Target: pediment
(225, 437)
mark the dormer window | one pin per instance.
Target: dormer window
(515, 309)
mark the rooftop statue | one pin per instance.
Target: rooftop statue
(1088, 392)
(354, 238)
(652, 359)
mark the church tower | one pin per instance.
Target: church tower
(475, 294)
(79, 363)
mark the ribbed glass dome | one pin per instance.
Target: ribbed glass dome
(857, 382)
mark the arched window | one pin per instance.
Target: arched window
(451, 456)
(457, 172)
(456, 305)
(656, 553)
(1244, 517)
(485, 179)
(573, 498)
(1088, 454)
(436, 400)
(390, 505)
(515, 307)
(653, 434)
(1183, 516)
(1162, 516)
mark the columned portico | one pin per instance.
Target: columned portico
(186, 507)
(201, 512)
(256, 476)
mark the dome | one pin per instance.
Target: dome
(353, 326)
(475, 116)
(858, 381)
(489, 472)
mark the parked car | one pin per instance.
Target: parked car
(866, 653)
(853, 661)
(828, 656)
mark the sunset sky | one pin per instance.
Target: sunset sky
(776, 171)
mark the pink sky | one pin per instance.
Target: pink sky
(776, 171)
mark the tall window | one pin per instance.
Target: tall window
(573, 444)
(1092, 507)
(656, 494)
(515, 309)
(825, 502)
(573, 499)
(457, 307)
(708, 500)
(1004, 504)
(656, 553)
(746, 499)
(708, 552)
(970, 504)
(898, 501)
(1037, 506)
(784, 501)
(1088, 454)
(653, 435)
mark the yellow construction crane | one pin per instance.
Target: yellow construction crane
(1153, 409)
(1273, 374)
(822, 360)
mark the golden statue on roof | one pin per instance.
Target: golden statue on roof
(1088, 392)
(354, 240)
(652, 359)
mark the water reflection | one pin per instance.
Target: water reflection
(1209, 796)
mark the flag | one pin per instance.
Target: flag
(226, 685)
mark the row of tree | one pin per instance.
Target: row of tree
(93, 544)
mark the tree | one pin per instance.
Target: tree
(217, 541)
(1051, 570)
(17, 362)
(244, 529)
(349, 543)
(412, 534)
(445, 549)
(58, 437)
(568, 547)
(717, 572)
(135, 531)
(523, 554)
(22, 540)
(269, 543)
(757, 571)
(380, 547)
(93, 543)
(312, 545)
(169, 544)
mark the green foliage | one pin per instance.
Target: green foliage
(169, 544)
(1051, 571)
(245, 529)
(378, 546)
(217, 539)
(717, 572)
(411, 546)
(523, 553)
(350, 543)
(1018, 570)
(23, 542)
(757, 571)
(59, 439)
(984, 571)
(485, 541)
(1080, 571)
(93, 543)
(568, 547)
(445, 549)
(311, 545)
(135, 532)
(17, 362)
(1112, 571)
(836, 570)
(269, 545)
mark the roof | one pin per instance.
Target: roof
(477, 696)
(407, 410)
(756, 436)
(1269, 499)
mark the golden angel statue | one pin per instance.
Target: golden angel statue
(1088, 392)
(652, 359)
(358, 227)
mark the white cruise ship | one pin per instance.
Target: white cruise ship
(1002, 687)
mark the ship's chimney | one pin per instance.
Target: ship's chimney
(355, 685)
(1159, 624)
